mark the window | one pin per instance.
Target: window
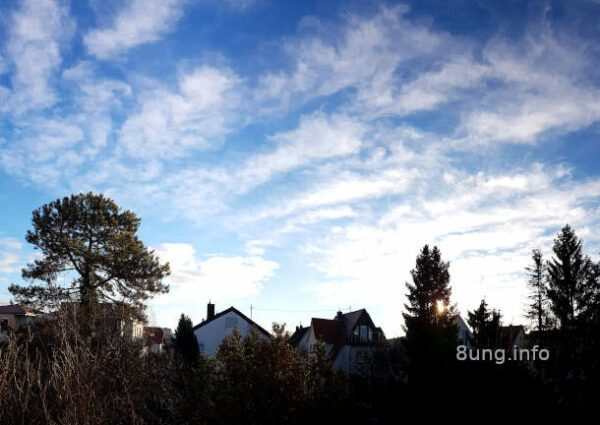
(4, 324)
(365, 333)
(230, 322)
(201, 347)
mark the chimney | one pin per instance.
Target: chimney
(210, 311)
(338, 316)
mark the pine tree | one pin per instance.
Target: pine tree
(537, 309)
(430, 319)
(567, 272)
(478, 320)
(186, 344)
(89, 238)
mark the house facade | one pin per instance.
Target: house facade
(14, 317)
(154, 339)
(211, 331)
(352, 341)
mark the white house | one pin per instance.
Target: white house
(210, 332)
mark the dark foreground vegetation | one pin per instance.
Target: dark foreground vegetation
(82, 365)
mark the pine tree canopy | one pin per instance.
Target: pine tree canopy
(89, 254)
(431, 286)
(430, 319)
(537, 309)
(186, 344)
(567, 276)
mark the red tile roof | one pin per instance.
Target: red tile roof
(154, 334)
(329, 331)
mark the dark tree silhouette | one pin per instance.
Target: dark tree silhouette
(537, 309)
(486, 325)
(186, 344)
(90, 246)
(431, 331)
(567, 273)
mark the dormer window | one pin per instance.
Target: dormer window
(364, 333)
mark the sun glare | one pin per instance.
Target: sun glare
(440, 306)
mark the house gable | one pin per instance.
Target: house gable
(210, 333)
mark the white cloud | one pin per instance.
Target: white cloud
(196, 116)
(364, 54)
(11, 260)
(217, 277)
(139, 22)
(36, 32)
(485, 226)
(316, 138)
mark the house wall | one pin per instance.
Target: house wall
(13, 320)
(343, 359)
(356, 359)
(303, 343)
(133, 329)
(210, 335)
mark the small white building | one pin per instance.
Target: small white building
(210, 332)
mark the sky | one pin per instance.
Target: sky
(295, 156)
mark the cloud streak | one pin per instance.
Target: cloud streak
(138, 22)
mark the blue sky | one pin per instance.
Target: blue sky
(295, 156)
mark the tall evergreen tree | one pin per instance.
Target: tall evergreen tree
(89, 239)
(537, 309)
(430, 319)
(186, 344)
(567, 273)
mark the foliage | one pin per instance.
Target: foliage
(88, 239)
(53, 375)
(485, 325)
(567, 273)
(537, 309)
(186, 344)
(431, 334)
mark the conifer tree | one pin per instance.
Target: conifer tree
(567, 277)
(430, 319)
(537, 309)
(90, 254)
(186, 344)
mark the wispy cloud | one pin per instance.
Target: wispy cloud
(11, 258)
(138, 22)
(36, 34)
(348, 142)
(196, 116)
